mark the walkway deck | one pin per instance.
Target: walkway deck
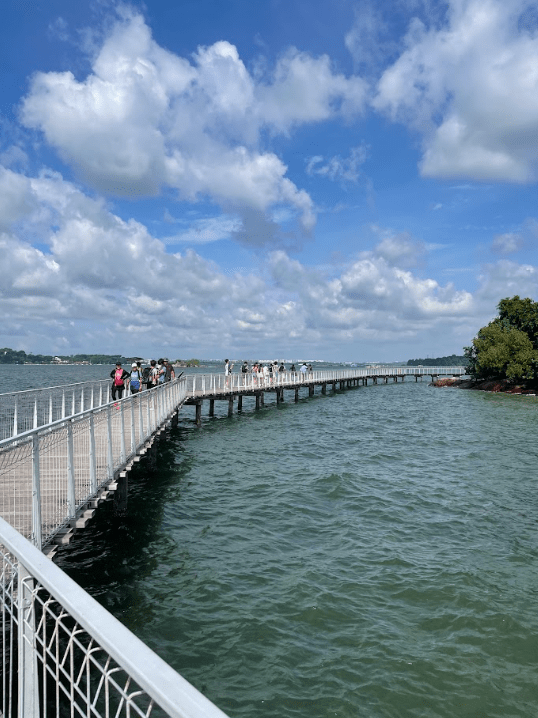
(55, 474)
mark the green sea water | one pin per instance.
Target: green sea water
(372, 553)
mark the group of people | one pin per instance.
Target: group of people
(157, 372)
(266, 371)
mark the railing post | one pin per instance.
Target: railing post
(93, 463)
(36, 494)
(122, 431)
(133, 436)
(28, 673)
(140, 419)
(109, 452)
(70, 471)
(35, 414)
(63, 404)
(73, 404)
(50, 408)
(15, 419)
(82, 400)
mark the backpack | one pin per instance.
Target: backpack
(145, 374)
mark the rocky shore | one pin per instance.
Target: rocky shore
(493, 385)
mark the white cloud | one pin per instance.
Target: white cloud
(470, 88)
(507, 243)
(145, 118)
(346, 169)
(209, 229)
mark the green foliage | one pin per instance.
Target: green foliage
(504, 351)
(12, 356)
(507, 348)
(187, 362)
(452, 360)
(521, 314)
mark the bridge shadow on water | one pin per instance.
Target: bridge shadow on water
(112, 553)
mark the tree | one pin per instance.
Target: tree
(507, 347)
(521, 314)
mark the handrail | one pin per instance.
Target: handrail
(206, 384)
(70, 459)
(30, 408)
(96, 663)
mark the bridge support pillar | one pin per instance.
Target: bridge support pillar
(257, 401)
(262, 398)
(198, 413)
(151, 456)
(212, 407)
(120, 495)
(310, 390)
(278, 399)
(324, 388)
(230, 406)
(240, 403)
(175, 419)
(296, 395)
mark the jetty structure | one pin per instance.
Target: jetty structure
(63, 452)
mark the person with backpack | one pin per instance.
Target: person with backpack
(161, 371)
(136, 379)
(170, 373)
(146, 377)
(153, 374)
(118, 376)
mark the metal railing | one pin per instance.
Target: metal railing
(50, 472)
(21, 411)
(207, 384)
(64, 655)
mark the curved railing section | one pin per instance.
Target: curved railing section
(21, 411)
(200, 385)
(65, 655)
(50, 472)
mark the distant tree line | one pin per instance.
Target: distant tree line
(507, 348)
(452, 360)
(12, 356)
(187, 362)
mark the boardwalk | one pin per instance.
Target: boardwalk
(76, 453)
(69, 449)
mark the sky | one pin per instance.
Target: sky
(344, 180)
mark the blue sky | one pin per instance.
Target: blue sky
(349, 181)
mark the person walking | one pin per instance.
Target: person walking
(135, 381)
(169, 371)
(118, 376)
(227, 370)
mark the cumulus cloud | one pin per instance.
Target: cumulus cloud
(507, 243)
(470, 86)
(145, 118)
(345, 169)
(103, 281)
(204, 230)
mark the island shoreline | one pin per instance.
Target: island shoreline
(494, 386)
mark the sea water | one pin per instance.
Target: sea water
(371, 553)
